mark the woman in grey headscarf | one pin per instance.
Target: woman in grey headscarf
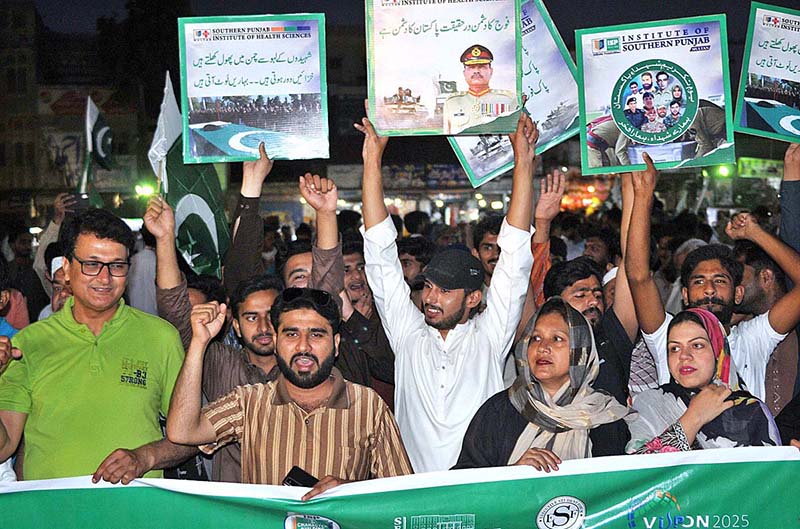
(550, 413)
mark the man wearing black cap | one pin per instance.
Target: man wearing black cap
(479, 104)
(447, 363)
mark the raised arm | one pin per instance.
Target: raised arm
(185, 423)
(623, 301)
(790, 199)
(62, 205)
(253, 175)
(523, 141)
(511, 277)
(547, 207)
(327, 268)
(785, 314)
(243, 259)
(172, 296)
(373, 208)
(644, 292)
(160, 221)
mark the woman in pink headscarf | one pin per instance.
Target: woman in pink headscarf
(704, 405)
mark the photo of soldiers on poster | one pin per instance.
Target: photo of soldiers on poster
(252, 79)
(658, 87)
(769, 90)
(550, 86)
(438, 68)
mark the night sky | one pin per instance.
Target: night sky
(80, 15)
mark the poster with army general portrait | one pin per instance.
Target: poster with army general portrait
(549, 84)
(443, 66)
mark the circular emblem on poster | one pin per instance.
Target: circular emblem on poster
(562, 512)
(654, 102)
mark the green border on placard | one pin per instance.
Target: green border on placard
(748, 46)
(720, 155)
(567, 134)
(368, 7)
(323, 75)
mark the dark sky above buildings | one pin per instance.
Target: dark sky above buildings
(80, 15)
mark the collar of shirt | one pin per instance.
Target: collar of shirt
(67, 319)
(337, 400)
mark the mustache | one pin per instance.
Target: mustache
(709, 301)
(592, 311)
(262, 335)
(431, 306)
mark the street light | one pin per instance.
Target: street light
(144, 190)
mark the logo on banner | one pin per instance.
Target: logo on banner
(308, 521)
(607, 45)
(562, 512)
(201, 35)
(666, 102)
(436, 521)
(772, 21)
(660, 509)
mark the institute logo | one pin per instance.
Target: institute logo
(390, 3)
(308, 521)
(606, 45)
(201, 35)
(562, 512)
(771, 21)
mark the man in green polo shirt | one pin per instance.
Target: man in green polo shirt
(94, 376)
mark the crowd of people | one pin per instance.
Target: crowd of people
(787, 94)
(365, 352)
(279, 113)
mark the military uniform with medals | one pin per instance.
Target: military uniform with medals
(469, 109)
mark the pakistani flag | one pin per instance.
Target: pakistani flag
(192, 190)
(98, 135)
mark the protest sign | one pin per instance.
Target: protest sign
(769, 89)
(656, 87)
(663, 491)
(438, 67)
(548, 80)
(248, 79)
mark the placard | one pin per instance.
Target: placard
(768, 104)
(248, 79)
(656, 87)
(548, 79)
(443, 66)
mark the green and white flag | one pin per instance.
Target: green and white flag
(99, 138)
(193, 191)
(730, 488)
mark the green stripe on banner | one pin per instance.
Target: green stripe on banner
(721, 489)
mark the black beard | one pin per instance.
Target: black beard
(257, 349)
(309, 380)
(591, 311)
(447, 324)
(722, 310)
